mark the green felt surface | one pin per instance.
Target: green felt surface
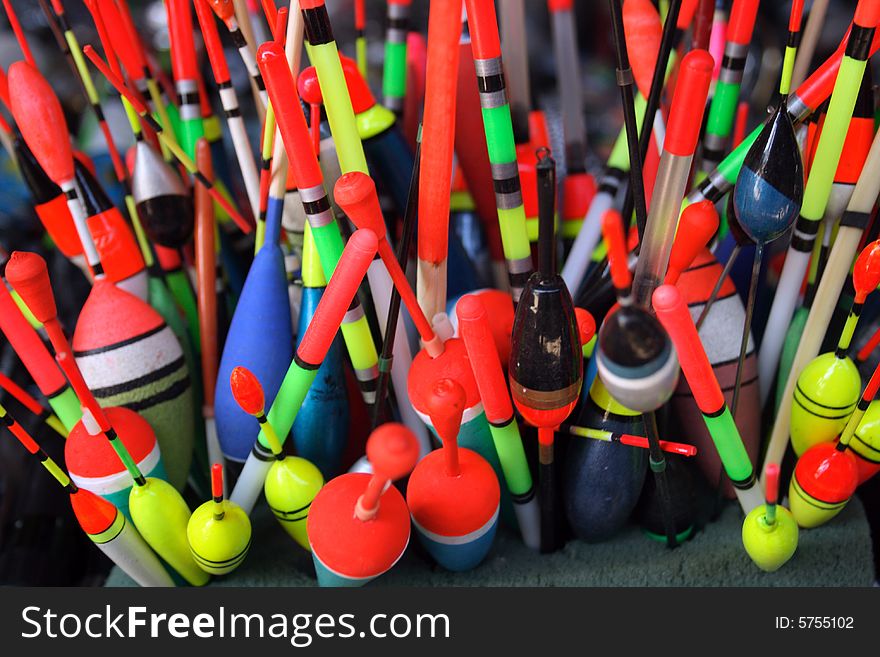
(838, 554)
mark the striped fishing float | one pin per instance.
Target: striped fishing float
(680, 449)
(359, 525)
(316, 204)
(500, 142)
(394, 65)
(225, 11)
(157, 509)
(312, 349)
(218, 532)
(719, 121)
(827, 389)
(100, 520)
(453, 494)
(475, 330)
(292, 481)
(673, 314)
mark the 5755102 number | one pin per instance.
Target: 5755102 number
(814, 622)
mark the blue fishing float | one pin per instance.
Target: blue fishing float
(262, 314)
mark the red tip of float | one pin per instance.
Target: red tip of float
(796, 15)
(771, 483)
(247, 391)
(393, 450)
(94, 513)
(586, 324)
(226, 10)
(217, 480)
(213, 45)
(105, 302)
(612, 233)
(688, 103)
(129, 53)
(867, 13)
(39, 116)
(362, 98)
(698, 223)
(866, 272)
(355, 193)
(742, 21)
(28, 274)
(686, 14)
(643, 30)
(308, 86)
(446, 405)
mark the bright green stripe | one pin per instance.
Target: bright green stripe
(329, 242)
(28, 315)
(312, 274)
(56, 472)
(730, 446)
(730, 165)
(843, 100)
(723, 109)
(499, 134)
(66, 407)
(508, 444)
(514, 238)
(394, 72)
(126, 458)
(787, 69)
(337, 102)
(180, 287)
(288, 401)
(81, 67)
(192, 130)
(360, 45)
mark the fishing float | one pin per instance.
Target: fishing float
(643, 29)
(767, 196)
(476, 331)
(795, 19)
(27, 400)
(161, 133)
(453, 494)
(225, 11)
(229, 99)
(722, 110)
(669, 446)
(313, 347)
(355, 192)
(134, 360)
(697, 226)
(817, 191)
(218, 532)
(29, 347)
(675, 318)
(827, 389)
(316, 204)
(291, 481)
(637, 365)
(159, 512)
(678, 149)
(438, 138)
(769, 532)
(500, 142)
(853, 223)
(263, 308)
(359, 525)
(102, 522)
(865, 443)
(321, 428)
(545, 383)
(184, 67)
(394, 63)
